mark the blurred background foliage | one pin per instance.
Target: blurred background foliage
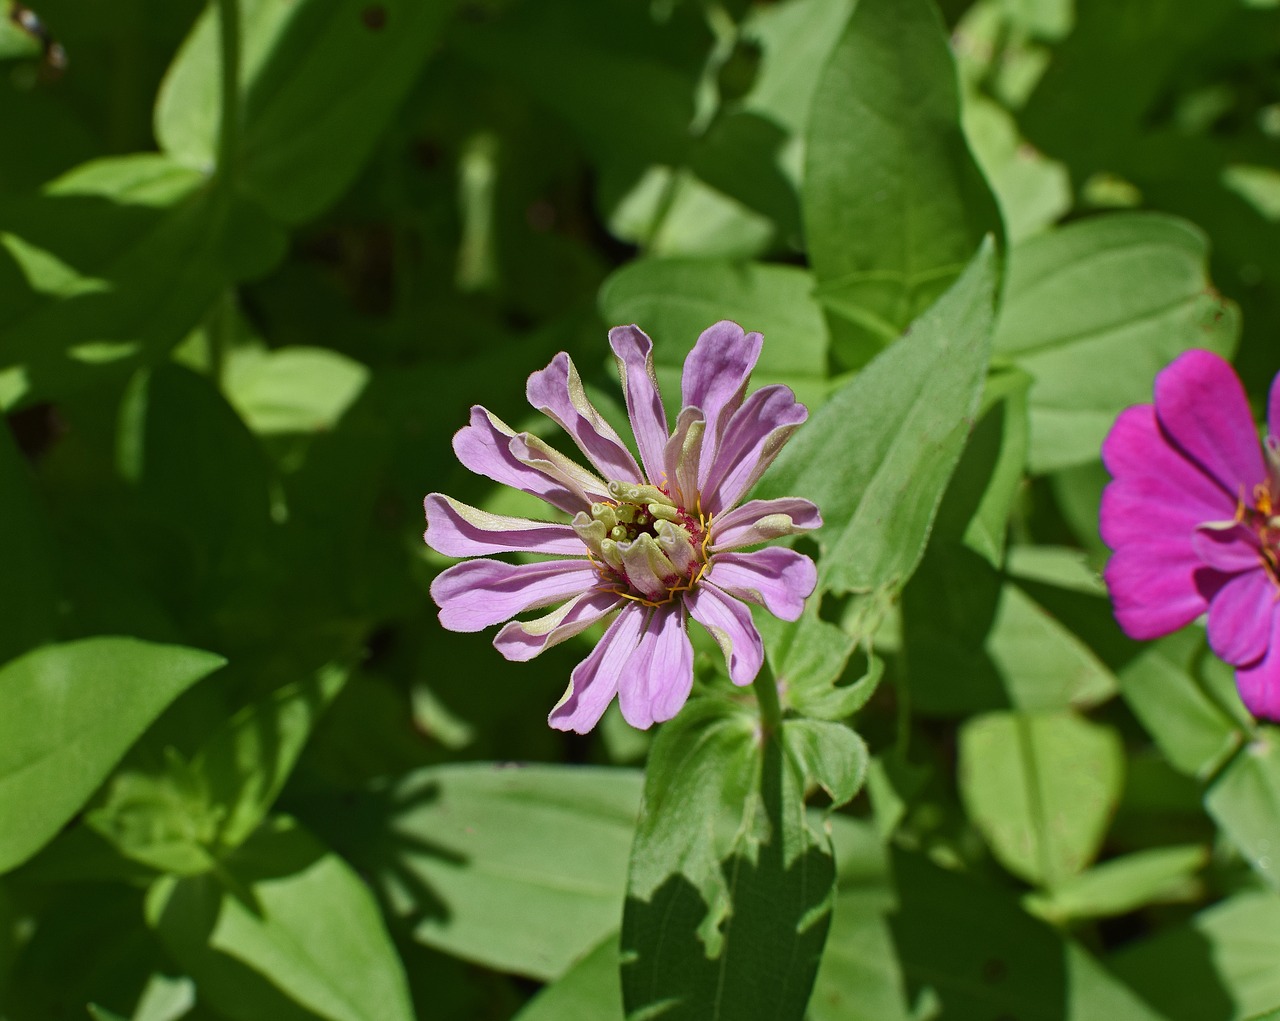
(231, 361)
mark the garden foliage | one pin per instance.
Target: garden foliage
(258, 258)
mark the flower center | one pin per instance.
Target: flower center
(647, 547)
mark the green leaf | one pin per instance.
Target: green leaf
(674, 300)
(828, 754)
(318, 84)
(1190, 720)
(67, 715)
(1220, 964)
(1123, 884)
(894, 204)
(1245, 802)
(1041, 788)
(1129, 291)
(292, 389)
(442, 845)
(588, 991)
(724, 871)
(877, 456)
(287, 928)
(29, 596)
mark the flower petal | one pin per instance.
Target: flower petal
(595, 680)
(1230, 550)
(521, 640)
(484, 447)
(457, 529)
(1202, 407)
(1259, 683)
(715, 378)
(728, 621)
(660, 675)
(558, 393)
(1153, 588)
(758, 521)
(1240, 617)
(633, 351)
(779, 579)
(539, 455)
(1273, 408)
(477, 594)
(751, 441)
(681, 458)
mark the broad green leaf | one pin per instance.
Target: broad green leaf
(318, 84)
(674, 300)
(979, 955)
(1041, 788)
(110, 266)
(68, 713)
(701, 929)
(1129, 291)
(28, 598)
(1221, 964)
(1190, 721)
(828, 754)
(894, 204)
(292, 389)
(877, 456)
(285, 929)
(520, 868)
(1244, 799)
(588, 991)
(1123, 884)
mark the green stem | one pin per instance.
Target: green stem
(767, 696)
(229, 129)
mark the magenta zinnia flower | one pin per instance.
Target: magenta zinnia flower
(1192, 515)
(651, 547)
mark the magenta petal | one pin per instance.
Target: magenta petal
(457, 529)
(521, 640)
(633, 351)
(595, 680)
(1130, 513)
(1230, 550)
(1273, 408)
(660, 674)
(483, 446)
(1153, 589)
(477, 594)
(1240, 617)
(758, 521)
(779, 579)
(681, 457)
(729, 622)
(1259, 683)
(751, 441)
(715, 378)
(558, 393)
(1202, 406)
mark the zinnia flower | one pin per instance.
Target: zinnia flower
(1193, 515)
(652, 547)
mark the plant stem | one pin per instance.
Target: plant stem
(767, 695)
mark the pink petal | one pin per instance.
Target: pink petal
(1273, 408)
(660, 675)
(751, 441)
(728, 621)
(633, 351)
(477, 594)
(521, 640)
(1128, 514)
(457, 529)
(715, 378)
(758, 521)
(1153, 588)
(1202, 407)
(558, 393)
(681, 458)
(484, 447)
(595, 680)
(779, 579)
(1240, 617)
(1259, 683)
(1230, 550)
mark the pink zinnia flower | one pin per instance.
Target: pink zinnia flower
(1193, 515)
(651, 547)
